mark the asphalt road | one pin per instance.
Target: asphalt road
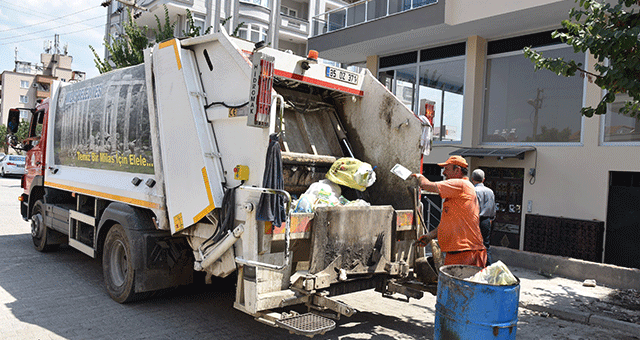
(60, 295)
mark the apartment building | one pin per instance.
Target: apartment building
(28, 82)
(284, 24)
(564, 184)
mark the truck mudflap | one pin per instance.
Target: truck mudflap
(160, 260)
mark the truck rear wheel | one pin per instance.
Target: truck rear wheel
(117, 265)
(39, 231)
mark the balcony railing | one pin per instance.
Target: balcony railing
(294, 24)
(361, 12)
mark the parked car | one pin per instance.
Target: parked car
(12, 165)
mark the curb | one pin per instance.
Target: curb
(585, 318)
(605, 274)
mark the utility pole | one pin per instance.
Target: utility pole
(537, 104)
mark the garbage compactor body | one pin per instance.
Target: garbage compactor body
(168, 158)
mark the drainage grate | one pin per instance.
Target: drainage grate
(308, 324)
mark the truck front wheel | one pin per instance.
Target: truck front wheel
(39, 231)
(117, 265)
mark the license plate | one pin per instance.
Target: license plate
(20, 165)
(342, 75)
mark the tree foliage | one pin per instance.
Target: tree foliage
(23, 131)
(192, 29)
(164, 32)
(611, 33)
(127, 49)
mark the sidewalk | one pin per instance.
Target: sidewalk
(553, 286)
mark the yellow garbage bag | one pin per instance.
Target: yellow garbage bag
(351, 173)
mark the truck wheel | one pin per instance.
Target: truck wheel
(117, 265)
(39, 231)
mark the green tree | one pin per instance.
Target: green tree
(23, 131)
(165, 32)
(611, 33)
(125, 50)
(192, 29)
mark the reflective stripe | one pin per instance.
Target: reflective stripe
(175, 49)
(122, 199)
(211, 206)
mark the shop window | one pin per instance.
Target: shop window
(405, 83)
(441, 87)
(618, 127)
(525, 106)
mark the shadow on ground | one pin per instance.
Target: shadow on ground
(62, 292)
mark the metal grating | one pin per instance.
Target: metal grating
(580, 239)
(307, 324)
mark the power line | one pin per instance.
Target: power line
(31, 12)
(52, 28)
(61, 34)
(44, 22)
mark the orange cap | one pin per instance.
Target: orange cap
(455, 160)
(313, 55)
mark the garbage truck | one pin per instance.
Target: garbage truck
(191, 160)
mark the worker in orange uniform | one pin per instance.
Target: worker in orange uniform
(459, 233)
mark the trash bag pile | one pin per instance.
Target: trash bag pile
(352, 173)
(495, 274)
(349, 172)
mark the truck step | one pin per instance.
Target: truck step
(308, 324)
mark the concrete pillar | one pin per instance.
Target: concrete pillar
(372, 64)
(475, 65)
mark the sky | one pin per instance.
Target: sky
(27, 24)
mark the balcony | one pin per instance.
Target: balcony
(43, 86)
(361, 12)
(294, 27)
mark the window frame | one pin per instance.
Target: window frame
(248, 28)
(261, 3)
(416, 90)
(603, 121)
(22, 82)
(485, 89)
(26, 99)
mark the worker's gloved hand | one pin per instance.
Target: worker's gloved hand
(422, 241)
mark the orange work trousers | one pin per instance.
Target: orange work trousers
(476, 258)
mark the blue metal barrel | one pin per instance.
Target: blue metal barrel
(469, 310)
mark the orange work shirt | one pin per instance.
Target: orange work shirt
(459, 227)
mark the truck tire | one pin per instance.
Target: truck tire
(39, 231)
(117, 265)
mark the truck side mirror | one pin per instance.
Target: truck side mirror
(13, 121)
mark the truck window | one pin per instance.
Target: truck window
(35, 129)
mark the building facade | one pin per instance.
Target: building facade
(564, 184)
(284, 24)
(28, 82)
